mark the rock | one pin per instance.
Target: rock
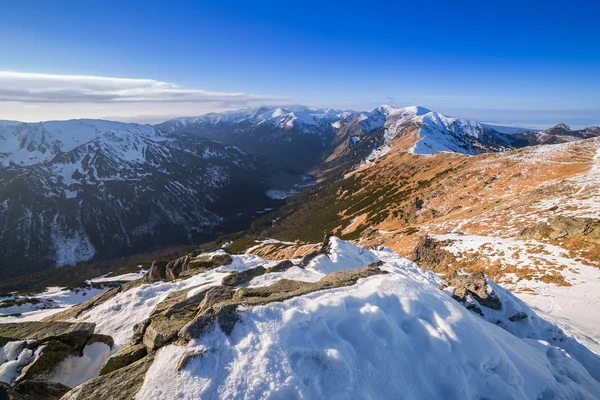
(158, 272)
(220, 304)
(307, 258)
(78, 309)
(222, 259)
(240, 278)
(41, 390)
(520, 316)
(122, 384)
(474, 308)
(75, 334)
(7, 393)
(189, 356)
(563, 227)
(139, 330)
(281, 267)
(474, 285)
(325, 246)
(170, 316)
(124, 357)
(185, 266)
(98, 338)
(49, 356)
(176, 267)
(430, 254)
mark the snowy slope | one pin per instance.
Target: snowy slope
(73, 190)
(31, 143)
(436, 132)
(388, 336)
(307, 120)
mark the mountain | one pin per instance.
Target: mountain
(560, 133)
(324, 139)
(345, 322)
(294, 136)
(527, 218)
(74, 190)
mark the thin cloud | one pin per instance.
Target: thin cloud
(19, 87)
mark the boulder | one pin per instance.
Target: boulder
(158, 272)
(124, 357)
(243, 277)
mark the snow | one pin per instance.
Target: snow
(73, 371)
(389, 336)
(306, 119)
(132, 276)
(32, 143)
(394, 335)
(573, 308)
(13, 357)
(52, 300)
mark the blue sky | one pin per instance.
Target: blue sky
(516, 62)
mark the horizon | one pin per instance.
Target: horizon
(502, 64)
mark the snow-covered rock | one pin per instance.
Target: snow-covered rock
(390, 335)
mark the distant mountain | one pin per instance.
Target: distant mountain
(73, 190)
(303, 137)
(370, 135)
(295, 136)
(560, 133)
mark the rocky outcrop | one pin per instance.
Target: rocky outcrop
(563, 227)
(74, 334)
(475, 286)
(185, 266)
(430, 254)
(219, 305)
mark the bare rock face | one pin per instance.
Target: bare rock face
(430, 254)
(563, 227)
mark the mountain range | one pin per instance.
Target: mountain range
(76, 190)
